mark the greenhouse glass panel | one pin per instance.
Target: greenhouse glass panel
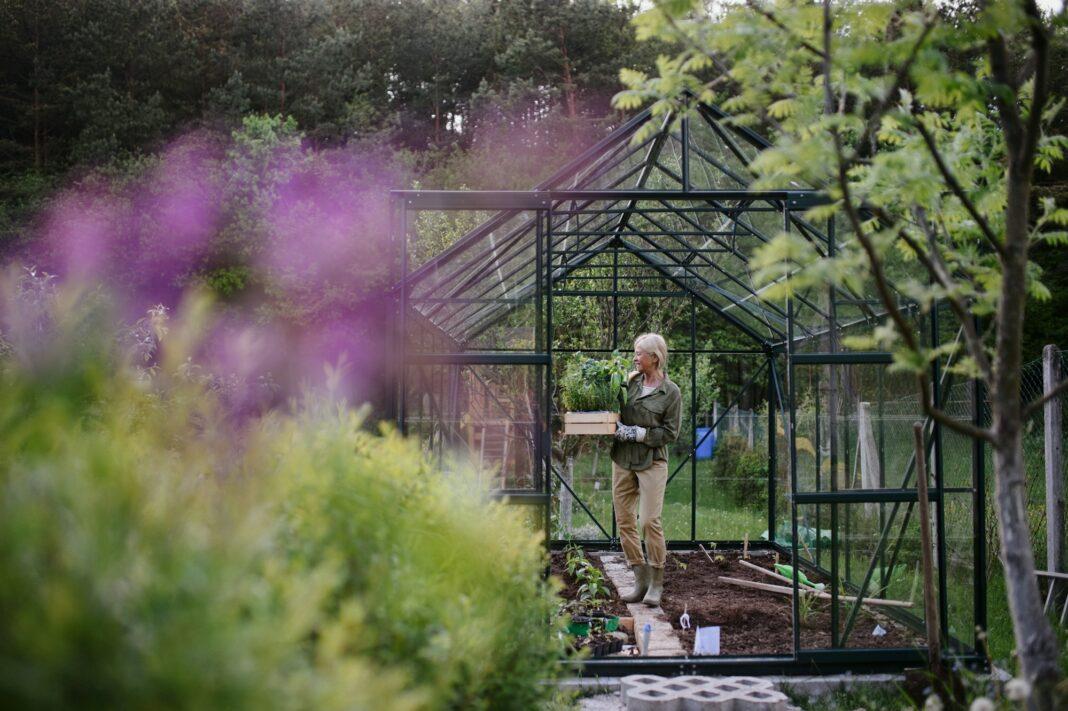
(486, 417)
(856, 549)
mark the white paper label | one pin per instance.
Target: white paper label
(707, 641)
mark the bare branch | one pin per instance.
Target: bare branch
(1034, 406)
(828, 93)
(940, 270)
(939, 415)
(958, 190)
(773, 19)
(1040, 57)
(999, 65)
(932, 261)
(881, 283)
(899, 79)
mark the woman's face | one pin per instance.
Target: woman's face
(644, 363)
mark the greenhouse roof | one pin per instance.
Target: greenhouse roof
(680, 201)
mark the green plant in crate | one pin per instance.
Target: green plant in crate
(589, 384)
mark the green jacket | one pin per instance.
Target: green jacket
(660, 413)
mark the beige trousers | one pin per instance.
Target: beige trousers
(628, 489)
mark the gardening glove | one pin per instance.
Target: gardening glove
(639, 433)
(626, 433)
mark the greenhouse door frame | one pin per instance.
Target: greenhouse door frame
(781, 360)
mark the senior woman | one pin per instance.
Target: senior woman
(649, 422)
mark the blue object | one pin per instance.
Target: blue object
(707, 446)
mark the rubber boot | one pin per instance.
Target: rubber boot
(641, 583)
(656, 587)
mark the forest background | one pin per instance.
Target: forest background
(357, 95)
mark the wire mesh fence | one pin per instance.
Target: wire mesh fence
(1031, 387)
(957, 450)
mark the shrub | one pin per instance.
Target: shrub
(591, 384)
(153, 555)
(447, 586)
(741, 472)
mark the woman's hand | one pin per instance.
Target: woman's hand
(630, 433)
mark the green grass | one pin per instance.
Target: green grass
(718, 517)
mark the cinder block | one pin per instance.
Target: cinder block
(643, 692)
(706, 697)
(760, 700)
(652, 698)
(637, 681)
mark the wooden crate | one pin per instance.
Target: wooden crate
(590, 423)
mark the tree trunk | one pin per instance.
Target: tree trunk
(1036, 644)
(282, 81)
(569, 85)
(37, 88)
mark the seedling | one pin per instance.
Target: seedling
(593, 587)
(806, 606)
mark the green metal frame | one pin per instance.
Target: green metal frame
(555, 234)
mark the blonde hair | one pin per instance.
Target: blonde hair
(655, 345)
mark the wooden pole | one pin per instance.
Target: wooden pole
(566, 500)
(1051, 375)
(706, 554)
(930, 604)
(783, 590)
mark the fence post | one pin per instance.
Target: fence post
(1051, 375)
(566, 502)
(869, 452)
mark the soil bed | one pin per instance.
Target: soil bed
(612, 606)
(751, 621)
(757, 621)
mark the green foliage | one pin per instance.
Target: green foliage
(227, 281)
(590, 385)
(740, 472)
(593, 587)
(154, 554)
(904, 89)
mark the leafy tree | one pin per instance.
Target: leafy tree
(929, 170)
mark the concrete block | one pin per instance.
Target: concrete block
(637, 681)
(652, 698)
(643, 692)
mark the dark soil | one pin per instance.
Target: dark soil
(751, 621)
(757, 621)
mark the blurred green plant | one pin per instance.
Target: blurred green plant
(589, 384)
(739, 471)
(155, 554)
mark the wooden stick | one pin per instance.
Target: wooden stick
(782, 590)
(745, 548)
(934, 644)
(773, 574)
(706, 554)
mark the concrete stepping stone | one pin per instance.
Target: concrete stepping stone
(645, 692)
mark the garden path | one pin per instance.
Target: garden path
(663, 642)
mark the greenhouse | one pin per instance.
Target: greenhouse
(793, 445)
